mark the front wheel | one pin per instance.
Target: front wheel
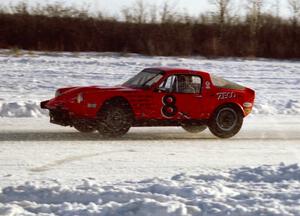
(115, 121)
(226, 121)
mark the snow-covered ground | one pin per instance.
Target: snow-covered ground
(265, 190)
(151, 171)
(35, 150)
(51, 170)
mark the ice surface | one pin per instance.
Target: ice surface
(264, 190)
(28, 79)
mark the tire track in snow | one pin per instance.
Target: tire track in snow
(71, 159)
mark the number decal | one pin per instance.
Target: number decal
(169, 109)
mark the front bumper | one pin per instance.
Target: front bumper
(58, 115)
(43, 104)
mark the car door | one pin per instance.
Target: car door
(179, 97)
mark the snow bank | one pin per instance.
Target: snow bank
(281, 107)
(21, 109)
(265, 190)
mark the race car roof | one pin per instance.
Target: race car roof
(170, 70)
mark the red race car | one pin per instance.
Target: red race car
(191, 99)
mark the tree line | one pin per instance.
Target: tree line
(153, 30)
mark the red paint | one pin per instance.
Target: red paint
(147, 103)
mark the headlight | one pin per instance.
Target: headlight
(79, 98)
(57, 93)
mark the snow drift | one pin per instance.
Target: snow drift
(264, 190)
(21, 110)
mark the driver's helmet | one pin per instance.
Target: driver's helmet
(185, 84)
(184, 81)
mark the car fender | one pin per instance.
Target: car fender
(231, 103)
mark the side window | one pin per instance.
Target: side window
(197, 84)
(189, 84)
(169, 84)
(182, 84)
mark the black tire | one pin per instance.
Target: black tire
(114, 120)
(226, 121)
(84, 128)
(194, 128)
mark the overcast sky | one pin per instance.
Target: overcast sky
(113, 7)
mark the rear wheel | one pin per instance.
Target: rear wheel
(114, 120)
(194, 128)
(226, 121)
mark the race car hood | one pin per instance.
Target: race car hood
(66, 92)
(66, 95)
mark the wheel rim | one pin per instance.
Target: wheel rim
(227, 119)
(116, 119)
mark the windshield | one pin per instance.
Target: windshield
(223, 83)
(144, 79)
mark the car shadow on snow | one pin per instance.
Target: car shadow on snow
(133, 136)
(76, 136)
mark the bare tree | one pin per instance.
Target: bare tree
(127, 14)
(255, 11)
(204, 18)
(255, 20)
(20, 8)
(222, 13)
(2, 10)
(153, 14)
(165, 14)
(294, 6)
(140, 11)
(276, 6)
(137, 13)
(255, 14)
(58, 10)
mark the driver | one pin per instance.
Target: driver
(185, 84)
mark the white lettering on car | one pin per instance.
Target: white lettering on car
(226, 95)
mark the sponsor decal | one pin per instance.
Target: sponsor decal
(226, 95)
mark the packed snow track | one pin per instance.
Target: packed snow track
(34, 149)
(150, 171)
